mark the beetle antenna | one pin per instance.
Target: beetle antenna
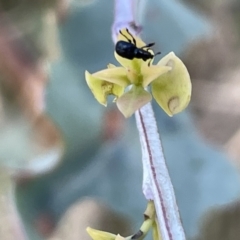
(157, 54)
(129, 40)
(148, 45)
(134, 40)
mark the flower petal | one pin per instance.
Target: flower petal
(156, 230)
(101, 89)
(114, 75)
(132, 100)
(172, 90)
(100, 235)
(150, 73)
(119, 237)
(132, 75)
(117, 91)
(110, 65)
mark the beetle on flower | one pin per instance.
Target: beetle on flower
(130, 50)
(169, 80)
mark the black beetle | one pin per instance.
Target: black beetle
(130, 50)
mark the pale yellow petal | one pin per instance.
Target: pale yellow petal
(100, 235)
(101, 89)
(119, 237)
(117, 91)
(172, 90)
(110, 65)
(95, 86)
(115, 75)
(156, 231)
(133, 75)
(150, 73)
(132, 100)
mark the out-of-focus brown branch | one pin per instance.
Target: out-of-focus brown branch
(22, 80)
(22, 71)
(30, 143)
(10, 223)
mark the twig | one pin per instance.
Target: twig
(157, 184)
(124, 17)
(11, 226)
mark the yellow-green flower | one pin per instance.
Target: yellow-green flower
(169, 79)
(101, 235)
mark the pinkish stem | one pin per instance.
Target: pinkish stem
(124, 17)
(157, 185)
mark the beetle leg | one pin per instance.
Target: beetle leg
(134, 40)
(149, 62)
(129, 40)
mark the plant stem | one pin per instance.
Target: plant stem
(157, 184)
(125, 17)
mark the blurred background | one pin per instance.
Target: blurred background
(67, 162)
